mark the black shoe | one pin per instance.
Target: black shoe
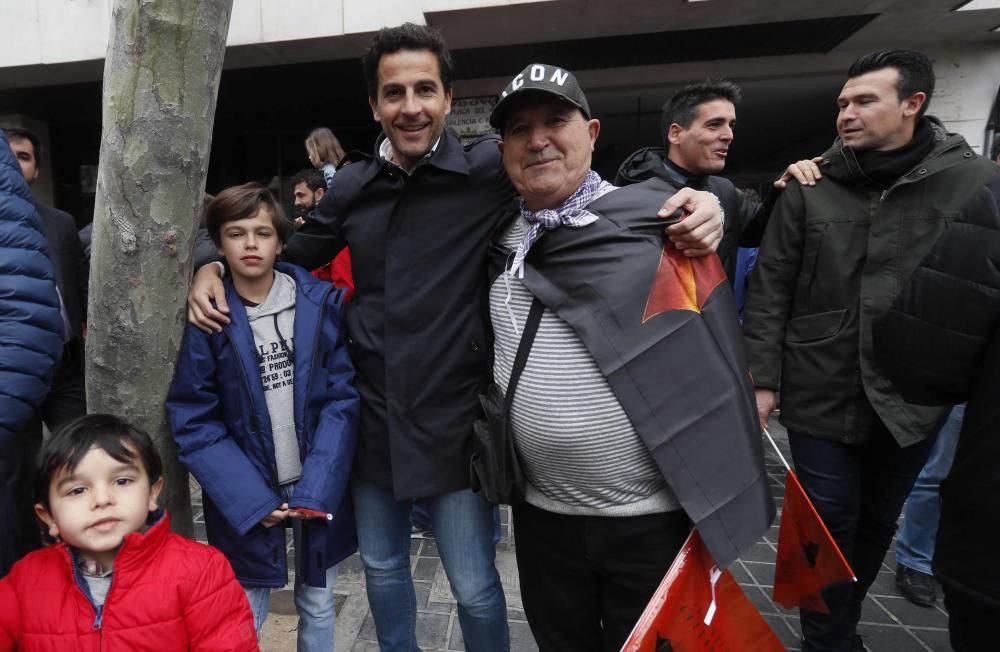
(858, 645)
(919, 588)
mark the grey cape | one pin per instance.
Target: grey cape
(681, 375)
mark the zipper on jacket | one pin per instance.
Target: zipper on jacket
(80, 582)
(315, 351)
(312, 366)
(254, 421)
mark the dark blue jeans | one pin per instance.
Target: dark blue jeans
(859, 492)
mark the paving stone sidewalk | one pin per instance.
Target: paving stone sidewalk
(889, 623)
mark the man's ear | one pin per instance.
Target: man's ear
(154, 494)
(374, 107)
(46, 517)
(500, 147)
(593, 128)
(913, 104)
(674, 133)
(447, 101)
(319, 193)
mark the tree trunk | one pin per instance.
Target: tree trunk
(161, 78)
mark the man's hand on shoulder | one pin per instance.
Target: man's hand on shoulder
(699, 230)
(206, 287)
(806, 172)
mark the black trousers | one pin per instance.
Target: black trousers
(859, 493)
(971, 626)
(585, 580)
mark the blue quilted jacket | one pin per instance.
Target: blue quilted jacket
(30, 322)
(219, 419)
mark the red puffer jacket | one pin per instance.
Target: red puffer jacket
(167, 593)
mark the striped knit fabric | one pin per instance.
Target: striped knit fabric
(580, 452)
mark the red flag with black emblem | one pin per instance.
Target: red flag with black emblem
(808, 557)
(698, 608)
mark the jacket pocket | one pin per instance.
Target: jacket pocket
(810, 256)
(819, 326)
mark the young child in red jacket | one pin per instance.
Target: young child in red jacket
(119, 579)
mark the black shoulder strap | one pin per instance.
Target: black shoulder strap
(527, 337)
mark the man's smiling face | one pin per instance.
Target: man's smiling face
(412, 103)
(703, 147)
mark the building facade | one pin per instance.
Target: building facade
(292, 65)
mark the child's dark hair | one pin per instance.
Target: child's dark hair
(241, 202)
(116, 437)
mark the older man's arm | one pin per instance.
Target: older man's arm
(699, 229)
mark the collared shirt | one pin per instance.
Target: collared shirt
(385, 152)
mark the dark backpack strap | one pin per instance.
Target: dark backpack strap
(527, 337)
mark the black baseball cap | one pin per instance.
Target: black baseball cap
(540, 77)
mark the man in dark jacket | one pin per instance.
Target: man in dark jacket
(698, 126)
(32, 336)
(940, 345)
(832, 259)
(418, 216)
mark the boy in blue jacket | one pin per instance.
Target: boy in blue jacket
(265, 416)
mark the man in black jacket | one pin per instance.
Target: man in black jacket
(698, 126)
(417, 216)
(832, 259)
(940, 344)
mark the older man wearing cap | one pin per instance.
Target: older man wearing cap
(633, 415)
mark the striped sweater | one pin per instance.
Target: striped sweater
(580, 452)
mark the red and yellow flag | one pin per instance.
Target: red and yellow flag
(682, 283)
(698, 608)
(808, 558)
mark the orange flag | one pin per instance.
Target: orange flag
(808, 558)
(682, 283)
(699, 608)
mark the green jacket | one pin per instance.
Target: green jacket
(833, 258)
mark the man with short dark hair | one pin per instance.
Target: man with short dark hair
(631, 416)
(418, 216)
(833, 257)
(698, 126)
(308, 187)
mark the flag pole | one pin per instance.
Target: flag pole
(775, 446)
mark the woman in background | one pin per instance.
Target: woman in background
(324, 152)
